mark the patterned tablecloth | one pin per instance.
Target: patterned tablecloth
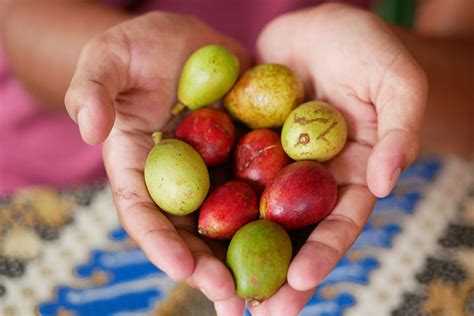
(64, 253)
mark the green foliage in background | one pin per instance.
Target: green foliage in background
(399, 12)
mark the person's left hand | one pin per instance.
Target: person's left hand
(351, 59)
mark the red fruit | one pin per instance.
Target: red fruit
(303, 193)
(229, 207)
(210, 132)
(258, 158)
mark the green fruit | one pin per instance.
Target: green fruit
(207, 76)
(314, 130)
(264, 96)
(259, 255)
(176, 176)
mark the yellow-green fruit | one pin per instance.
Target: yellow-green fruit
(259, 255)
(207, 76)
(176, 176)
(314, 130)
(264, 96)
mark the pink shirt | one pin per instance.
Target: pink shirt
(38, 147)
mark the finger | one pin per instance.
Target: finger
(137, 213)
(286, 302)
(100, 75)
(210, 275)
(350, 165)
(400, 102)
(332, 238)
(233, 306)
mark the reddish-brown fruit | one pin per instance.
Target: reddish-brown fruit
(229, 207)
(303, 193)
(258, 157)
(210, 132)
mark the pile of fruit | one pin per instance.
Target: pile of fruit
(277, 175)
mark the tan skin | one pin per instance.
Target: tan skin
(119, 81)
(63, 30)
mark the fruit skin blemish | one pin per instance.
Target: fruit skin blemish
(264, 96)
(314, 130)
(258, 157)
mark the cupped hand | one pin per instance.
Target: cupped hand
(351, 59)
(122, 91)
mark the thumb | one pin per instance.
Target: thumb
(100, 75)
(400, 103)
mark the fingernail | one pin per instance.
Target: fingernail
(394, 178)
(82, 119)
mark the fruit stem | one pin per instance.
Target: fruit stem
(177, 108)
(157, 136)
(254, 302)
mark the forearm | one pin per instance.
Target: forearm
(449, 66)
(43, 39)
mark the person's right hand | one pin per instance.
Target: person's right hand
(122, 91)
